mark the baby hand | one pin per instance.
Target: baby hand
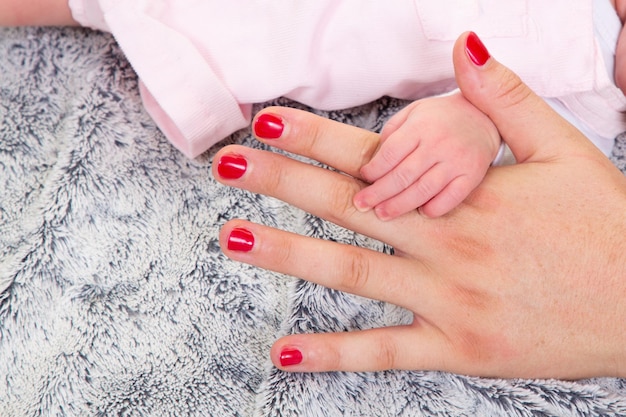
(432, 155)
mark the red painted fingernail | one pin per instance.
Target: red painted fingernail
(240, 240)
(290, 357)
(476, 50)
(232, 167)
(268, 126)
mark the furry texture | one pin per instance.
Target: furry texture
(116, 300)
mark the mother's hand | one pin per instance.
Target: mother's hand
(527, 278)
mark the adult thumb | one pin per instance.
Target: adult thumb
(525, 121)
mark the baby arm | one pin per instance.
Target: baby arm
(35, 13)
(432, 155)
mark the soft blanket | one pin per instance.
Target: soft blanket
(115, 299)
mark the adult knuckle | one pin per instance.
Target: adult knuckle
(333, 360)
(370, 145)
(473, 298)
(273, 179)
(470, 346)
(339, 204)
(386, 353)
(314, 135)
(282, 253)
(465, 244)
(354, 270)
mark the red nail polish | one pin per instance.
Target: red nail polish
(476, 50)
(240, 240)
(290, 356)
(232, 167)
(268, 126)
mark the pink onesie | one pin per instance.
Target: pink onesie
(203, 63)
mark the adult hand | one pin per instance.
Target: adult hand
(527, 278)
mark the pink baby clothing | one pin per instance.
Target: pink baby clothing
(203, 63)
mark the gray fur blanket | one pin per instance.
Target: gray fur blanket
(115, 299)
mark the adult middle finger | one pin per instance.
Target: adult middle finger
(324, 193)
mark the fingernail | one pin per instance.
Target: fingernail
(361, 205)
(476, 50)
(232, 166)
(240, 240)
(290, 357)
(268, 126)
(382, 214)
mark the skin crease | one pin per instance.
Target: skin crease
(526, 278)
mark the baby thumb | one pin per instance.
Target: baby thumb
(526, 123)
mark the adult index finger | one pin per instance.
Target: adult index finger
(341, 146)
(321, 192)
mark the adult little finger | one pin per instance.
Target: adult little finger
(409, 347)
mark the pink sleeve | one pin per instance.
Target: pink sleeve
(192, 107)
(88, 14)
(199, 59)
